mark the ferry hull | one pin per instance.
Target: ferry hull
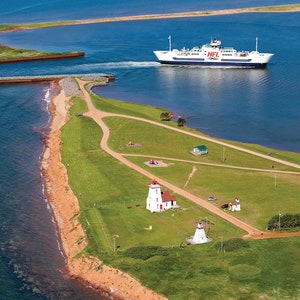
(215, 64)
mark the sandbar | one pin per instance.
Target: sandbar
(190, 14)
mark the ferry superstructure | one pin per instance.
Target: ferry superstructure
(213, 54)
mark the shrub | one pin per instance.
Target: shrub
(284, 221)
(235, 244)
(166, 116)
(181, 122)
(145, 253)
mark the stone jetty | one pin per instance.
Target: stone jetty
(57, 77)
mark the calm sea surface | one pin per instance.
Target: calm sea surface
(256, 106)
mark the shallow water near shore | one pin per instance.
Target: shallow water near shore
(32, 262)
(257, 106)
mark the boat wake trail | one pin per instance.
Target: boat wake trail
(123, 65)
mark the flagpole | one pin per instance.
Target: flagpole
(256, 42)
(170, 43)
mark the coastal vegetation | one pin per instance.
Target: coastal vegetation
(112, 203)
(8, 54)
(277, 8)
(166, 116)
(181, 121)
(287, 221)
(7, 27)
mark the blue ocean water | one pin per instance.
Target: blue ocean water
(257, 106)
(31, 260)
(29, 11)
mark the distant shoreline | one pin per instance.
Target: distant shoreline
(271, 9)
(265, 9)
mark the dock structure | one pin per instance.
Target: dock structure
(43, 78)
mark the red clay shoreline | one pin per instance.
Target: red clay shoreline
(65, 206)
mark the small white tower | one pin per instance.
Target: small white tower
(199, 236)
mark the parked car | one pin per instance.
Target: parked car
(224, 205)
(211, 198)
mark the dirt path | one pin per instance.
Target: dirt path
(98, 118)
(214, 164)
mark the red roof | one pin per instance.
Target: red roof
(166, 196)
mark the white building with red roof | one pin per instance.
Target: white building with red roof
(158, 201)
(236, 205)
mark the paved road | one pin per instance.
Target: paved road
(98, 116)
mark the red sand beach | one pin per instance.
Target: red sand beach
(66, 211)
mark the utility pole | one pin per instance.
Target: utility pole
(223, 156)
(115, 236)
(170, 43)
(222, 244)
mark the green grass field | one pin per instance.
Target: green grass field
(13, 53)
(112, 199)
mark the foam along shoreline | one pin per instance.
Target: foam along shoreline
(65, 206)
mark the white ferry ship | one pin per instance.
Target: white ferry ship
(213, 54)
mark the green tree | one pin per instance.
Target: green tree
(181, 121)
(165, 116)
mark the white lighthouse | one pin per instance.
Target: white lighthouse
(157, 200)
(199, 236)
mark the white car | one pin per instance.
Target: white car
(211, 198)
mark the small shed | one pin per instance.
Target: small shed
(199, 150)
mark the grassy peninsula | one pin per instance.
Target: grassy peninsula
(9, 54)
(112, 202)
